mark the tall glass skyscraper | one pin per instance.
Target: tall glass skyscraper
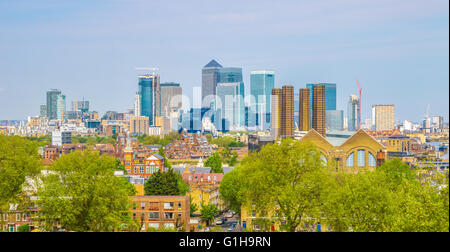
(210, 77)
(261, 84)
(52, 101)
(352, 113)
(229, 75)
(150, 92)
(230, 101)
(60, 106)
(330, 96)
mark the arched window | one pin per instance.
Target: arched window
(350, 160)
(372, 160)
(361, 158)
(324, 159)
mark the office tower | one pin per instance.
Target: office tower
(150, 91)
(229, 75)
(277, 98)
(334, 120)
(139, 125)
(82, 106)
(438, 121)
(60, 106)
(330, 96)
(52, 96)
(304, 121)
(137, 104)
(61, 137)
(318, 105)
(43, 111)
(352, 113)
(230, 100)
(383, 117)
(210, 76)
(287, 113)
(261, 84)
(171, 98)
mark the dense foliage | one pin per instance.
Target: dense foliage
(209, 212)
(215, 162)
(290, 183)
(165, 183)
(81, 192)
(152, 140)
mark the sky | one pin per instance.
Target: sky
(399, 50)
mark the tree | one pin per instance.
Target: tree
(19, 160)
(81, 193)
(23, 228)
(215, 162)
(286, 181)
(193, 207)
(231, 189)
(209, 212)
(165, 183)
(167, 164)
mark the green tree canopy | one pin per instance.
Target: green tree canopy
(165, 183)
(231, 189)
(209, 212)
(215, 162)
(82, 193)
(19, 159)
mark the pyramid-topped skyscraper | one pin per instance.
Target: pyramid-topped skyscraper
(210, 76)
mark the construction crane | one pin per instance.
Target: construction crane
(359, 109)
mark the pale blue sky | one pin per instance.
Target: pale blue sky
(399, 50)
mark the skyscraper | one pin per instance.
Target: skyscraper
(330, 95)
(229, 75)
(52, 96)
(60, 106)
(352, 113)
(210, 77)
(150, 91)
(82, 106)
(277, 98)
(137, 104)
(318, 107)
(171, 98)
(334, 120)
(287, 113)
(261, 84)
(230, 100)
(304, 122)
(43, 111)
(139, 125)
(383, 117)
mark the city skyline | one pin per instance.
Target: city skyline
(395, 59)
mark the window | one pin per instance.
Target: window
(146, 170)
(17, 216)
(24, 217)
(372, 160)
(179, 215)
(168, 215)
(350, 160)
(142, 205)
(253, 213)
(153, 225)
(179, 204)
(141, 169)
(361, 158)
(168, 205)
(134, 204)
(134, 215)
(153, 215)
(135, 170)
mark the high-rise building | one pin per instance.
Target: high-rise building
(287, 113)
(382, 117)
(261, 84)
(139, 125)
(230, 101)
(229, 75)
(137, 104)
(52, 102)
(61, 137)
(171, 98)
(330, 95)
(277, 98)
(304, 121)
(210, 77)
(437, 121)
(334, 120)
(60, 106)
(82, 106)
(43, 111)
(318, 109)
(150, 91)
(353, 113)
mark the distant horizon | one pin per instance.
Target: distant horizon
(399, 51)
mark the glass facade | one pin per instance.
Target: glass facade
(330, 96)
(210, 77)
(334, 119)
(150, 92)
(230, 100)
(261, 84)
(350, 161)
(352, 113)
(361, 158)
(372, 160)
(60, 106)
(52, 96)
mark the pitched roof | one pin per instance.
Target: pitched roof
(212, 63)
